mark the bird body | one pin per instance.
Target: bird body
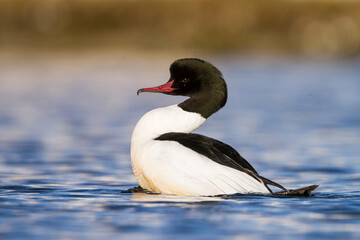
(169, 167)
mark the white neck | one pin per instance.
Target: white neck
(164, 120)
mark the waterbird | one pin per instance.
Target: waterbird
(166, 157)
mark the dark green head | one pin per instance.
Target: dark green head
(200, 81)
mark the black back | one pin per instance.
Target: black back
(216, 151)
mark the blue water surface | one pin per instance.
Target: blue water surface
(65, 129)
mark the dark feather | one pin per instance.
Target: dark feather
(217, 151)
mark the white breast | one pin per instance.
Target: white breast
(152, 125)
(164, 120)
(169, 167)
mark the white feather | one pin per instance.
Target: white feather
(169, 167)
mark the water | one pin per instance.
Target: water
(66, 124)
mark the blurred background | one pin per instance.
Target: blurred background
(329, 28)
(69, 72)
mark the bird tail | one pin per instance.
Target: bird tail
(269, 182)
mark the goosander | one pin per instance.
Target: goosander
(166, 157)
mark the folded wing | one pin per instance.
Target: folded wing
(218, 152)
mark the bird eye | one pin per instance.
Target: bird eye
(185, 80)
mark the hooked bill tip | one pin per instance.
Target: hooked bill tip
(138, 92)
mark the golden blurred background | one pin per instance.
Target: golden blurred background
(298, 27)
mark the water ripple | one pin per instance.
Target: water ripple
(65, 139)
